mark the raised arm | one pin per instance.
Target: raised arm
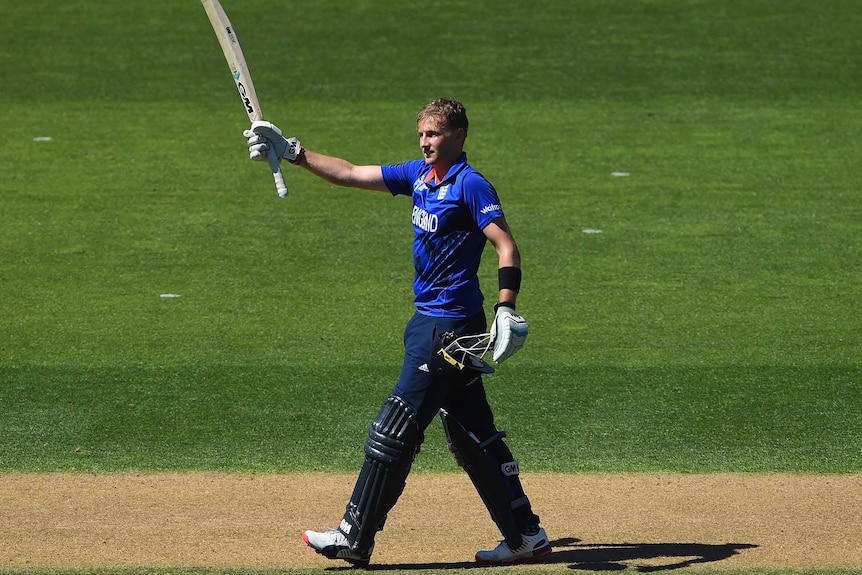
(264, 135)
(341, 172)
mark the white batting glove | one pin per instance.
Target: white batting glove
(262, 135)
(508, 334)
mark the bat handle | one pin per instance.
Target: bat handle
(276, 173)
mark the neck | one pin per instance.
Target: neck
(439, 171)
(441, 168)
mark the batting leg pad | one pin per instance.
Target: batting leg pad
(494, 473)
(391, 446)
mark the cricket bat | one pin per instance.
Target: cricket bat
(233, 53)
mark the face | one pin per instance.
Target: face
(439, 144)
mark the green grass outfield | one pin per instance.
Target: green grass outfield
(713, 325)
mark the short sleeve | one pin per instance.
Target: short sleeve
(399, 178)
(482, 199)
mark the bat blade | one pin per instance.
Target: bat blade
(233, 53)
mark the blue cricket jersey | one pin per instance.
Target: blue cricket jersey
(448, 219)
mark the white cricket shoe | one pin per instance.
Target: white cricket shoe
(332, 544)
(532, 546)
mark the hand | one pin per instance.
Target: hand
(262, 135)
(508, 333)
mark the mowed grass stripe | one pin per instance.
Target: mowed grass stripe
(712, 324)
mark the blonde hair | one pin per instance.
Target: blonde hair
(450, 112)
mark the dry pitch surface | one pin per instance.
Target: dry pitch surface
(597, 522)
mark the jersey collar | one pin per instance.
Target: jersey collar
(459, 165)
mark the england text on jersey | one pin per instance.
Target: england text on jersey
(424, 220)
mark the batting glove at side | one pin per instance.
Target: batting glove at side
(508, 333)
(262, 135)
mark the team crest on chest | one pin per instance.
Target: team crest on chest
(441, 193)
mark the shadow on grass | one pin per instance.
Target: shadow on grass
(603, 557)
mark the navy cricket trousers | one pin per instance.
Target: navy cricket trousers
(426, 393)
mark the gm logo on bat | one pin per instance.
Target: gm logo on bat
(243, 95)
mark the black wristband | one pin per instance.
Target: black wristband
(510, 278)
(498, 305)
